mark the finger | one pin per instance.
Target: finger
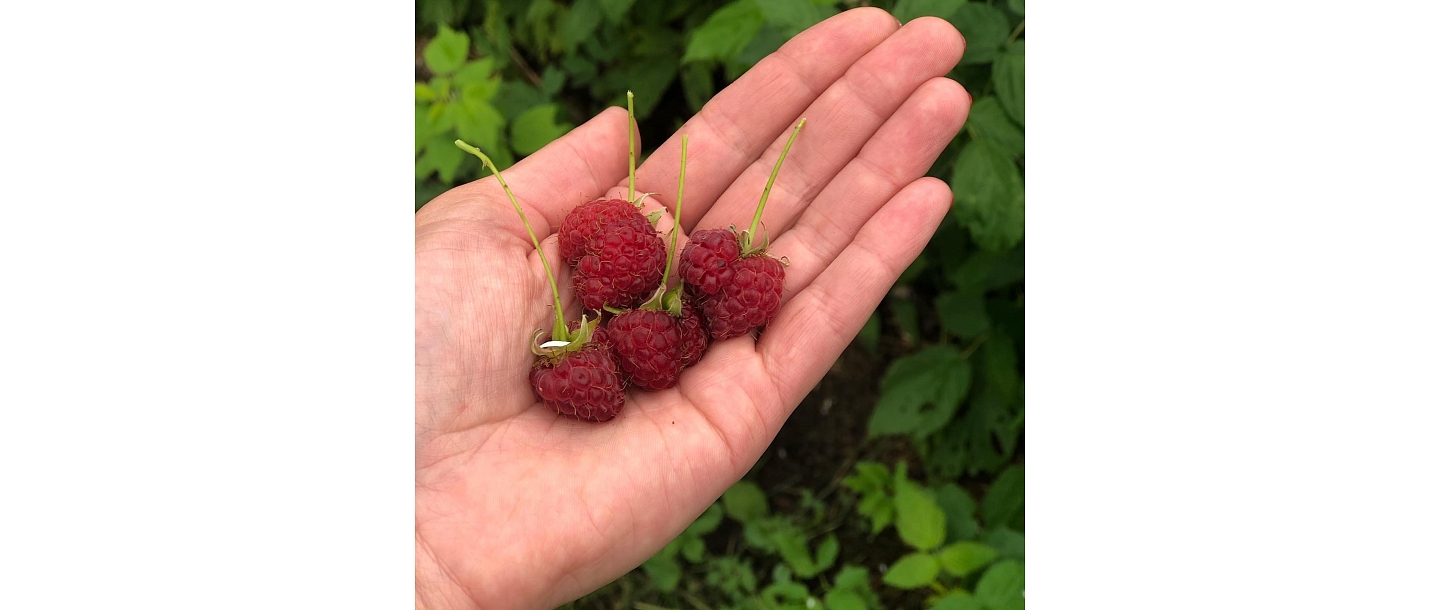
(901, 152)
(839, 123)
(571, 170)
(811, 331)
(736, 126)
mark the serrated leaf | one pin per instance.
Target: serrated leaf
(826, 553)
(1002, 587)
(579, 23)
(479, 71)
(664, 573)
(963, 558)
(447, 52)
(844, 600)
(989, 123)
(919, 521)
(745, 502)
(921, 392)
(905, 10)
(790, 543)
(616, 10)
(438, 156)
(985, 28)
(962, 314)
(535, 128)
(989, 196)
(1005, 499)
(912, 571)
(725, 33)
(479, 123)
(1010, 81)
(959, 511)
(791, 16)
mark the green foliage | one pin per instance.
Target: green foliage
(948, 343)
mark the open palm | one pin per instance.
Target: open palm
(516, 507)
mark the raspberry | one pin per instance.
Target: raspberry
(588, 219)
(693, 338)
(621, 268)
(647, 346)
(584, 384)
(706, 262)
(750, 299)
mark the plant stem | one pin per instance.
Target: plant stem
(679, 198)
(630, 127)
(760, 209)
(1016, 34)
(559, 333)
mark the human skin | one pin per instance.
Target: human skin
(516, 507)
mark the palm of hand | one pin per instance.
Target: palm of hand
(517, 507)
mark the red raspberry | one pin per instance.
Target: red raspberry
(647, 347)
(706, 263)
(621, 268)
(584, 384)
(750, 299)
(588, 219)
(693, 338)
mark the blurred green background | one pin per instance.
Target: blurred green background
(899, 482)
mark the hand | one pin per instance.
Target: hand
(516, 507)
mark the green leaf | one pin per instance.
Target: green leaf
(535, 128)
(1003, 586)
(447, 51)
(552, 81)
(438, 156)
(1018, 6)
(1010, 81)
(869, 335)
(791, 16)
(694, 550)
(1005, 500)
(790, 543)
(963, 558)
(985, 29)
(989, 196)
(745, 502)
(616, 10)
(844, 600)
(648, 78)
(988, 121)
(579, 23)
(478, 123)
(962, 313)
(726, 32)
(912, 571)
(707, 521)
(920, 392)
(698, 82)
(423, 93)
(918, 519)
(664, 573)
(883, 517)
(826, 553)
(907, 318)
(905, 10)
(480, 71)
(1010, 543)
(852, 578)
(957, 599)
(959, 511)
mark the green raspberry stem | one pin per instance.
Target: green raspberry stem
(679, 199)
(630, 127)
(560, 333)
(765, 196)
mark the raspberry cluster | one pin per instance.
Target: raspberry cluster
(644, 333)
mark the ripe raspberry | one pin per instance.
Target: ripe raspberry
(621, 268)
(584, 384)
(693, 338)
(706, 263)
(750, 299)
(647, 346)
(588, 219)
